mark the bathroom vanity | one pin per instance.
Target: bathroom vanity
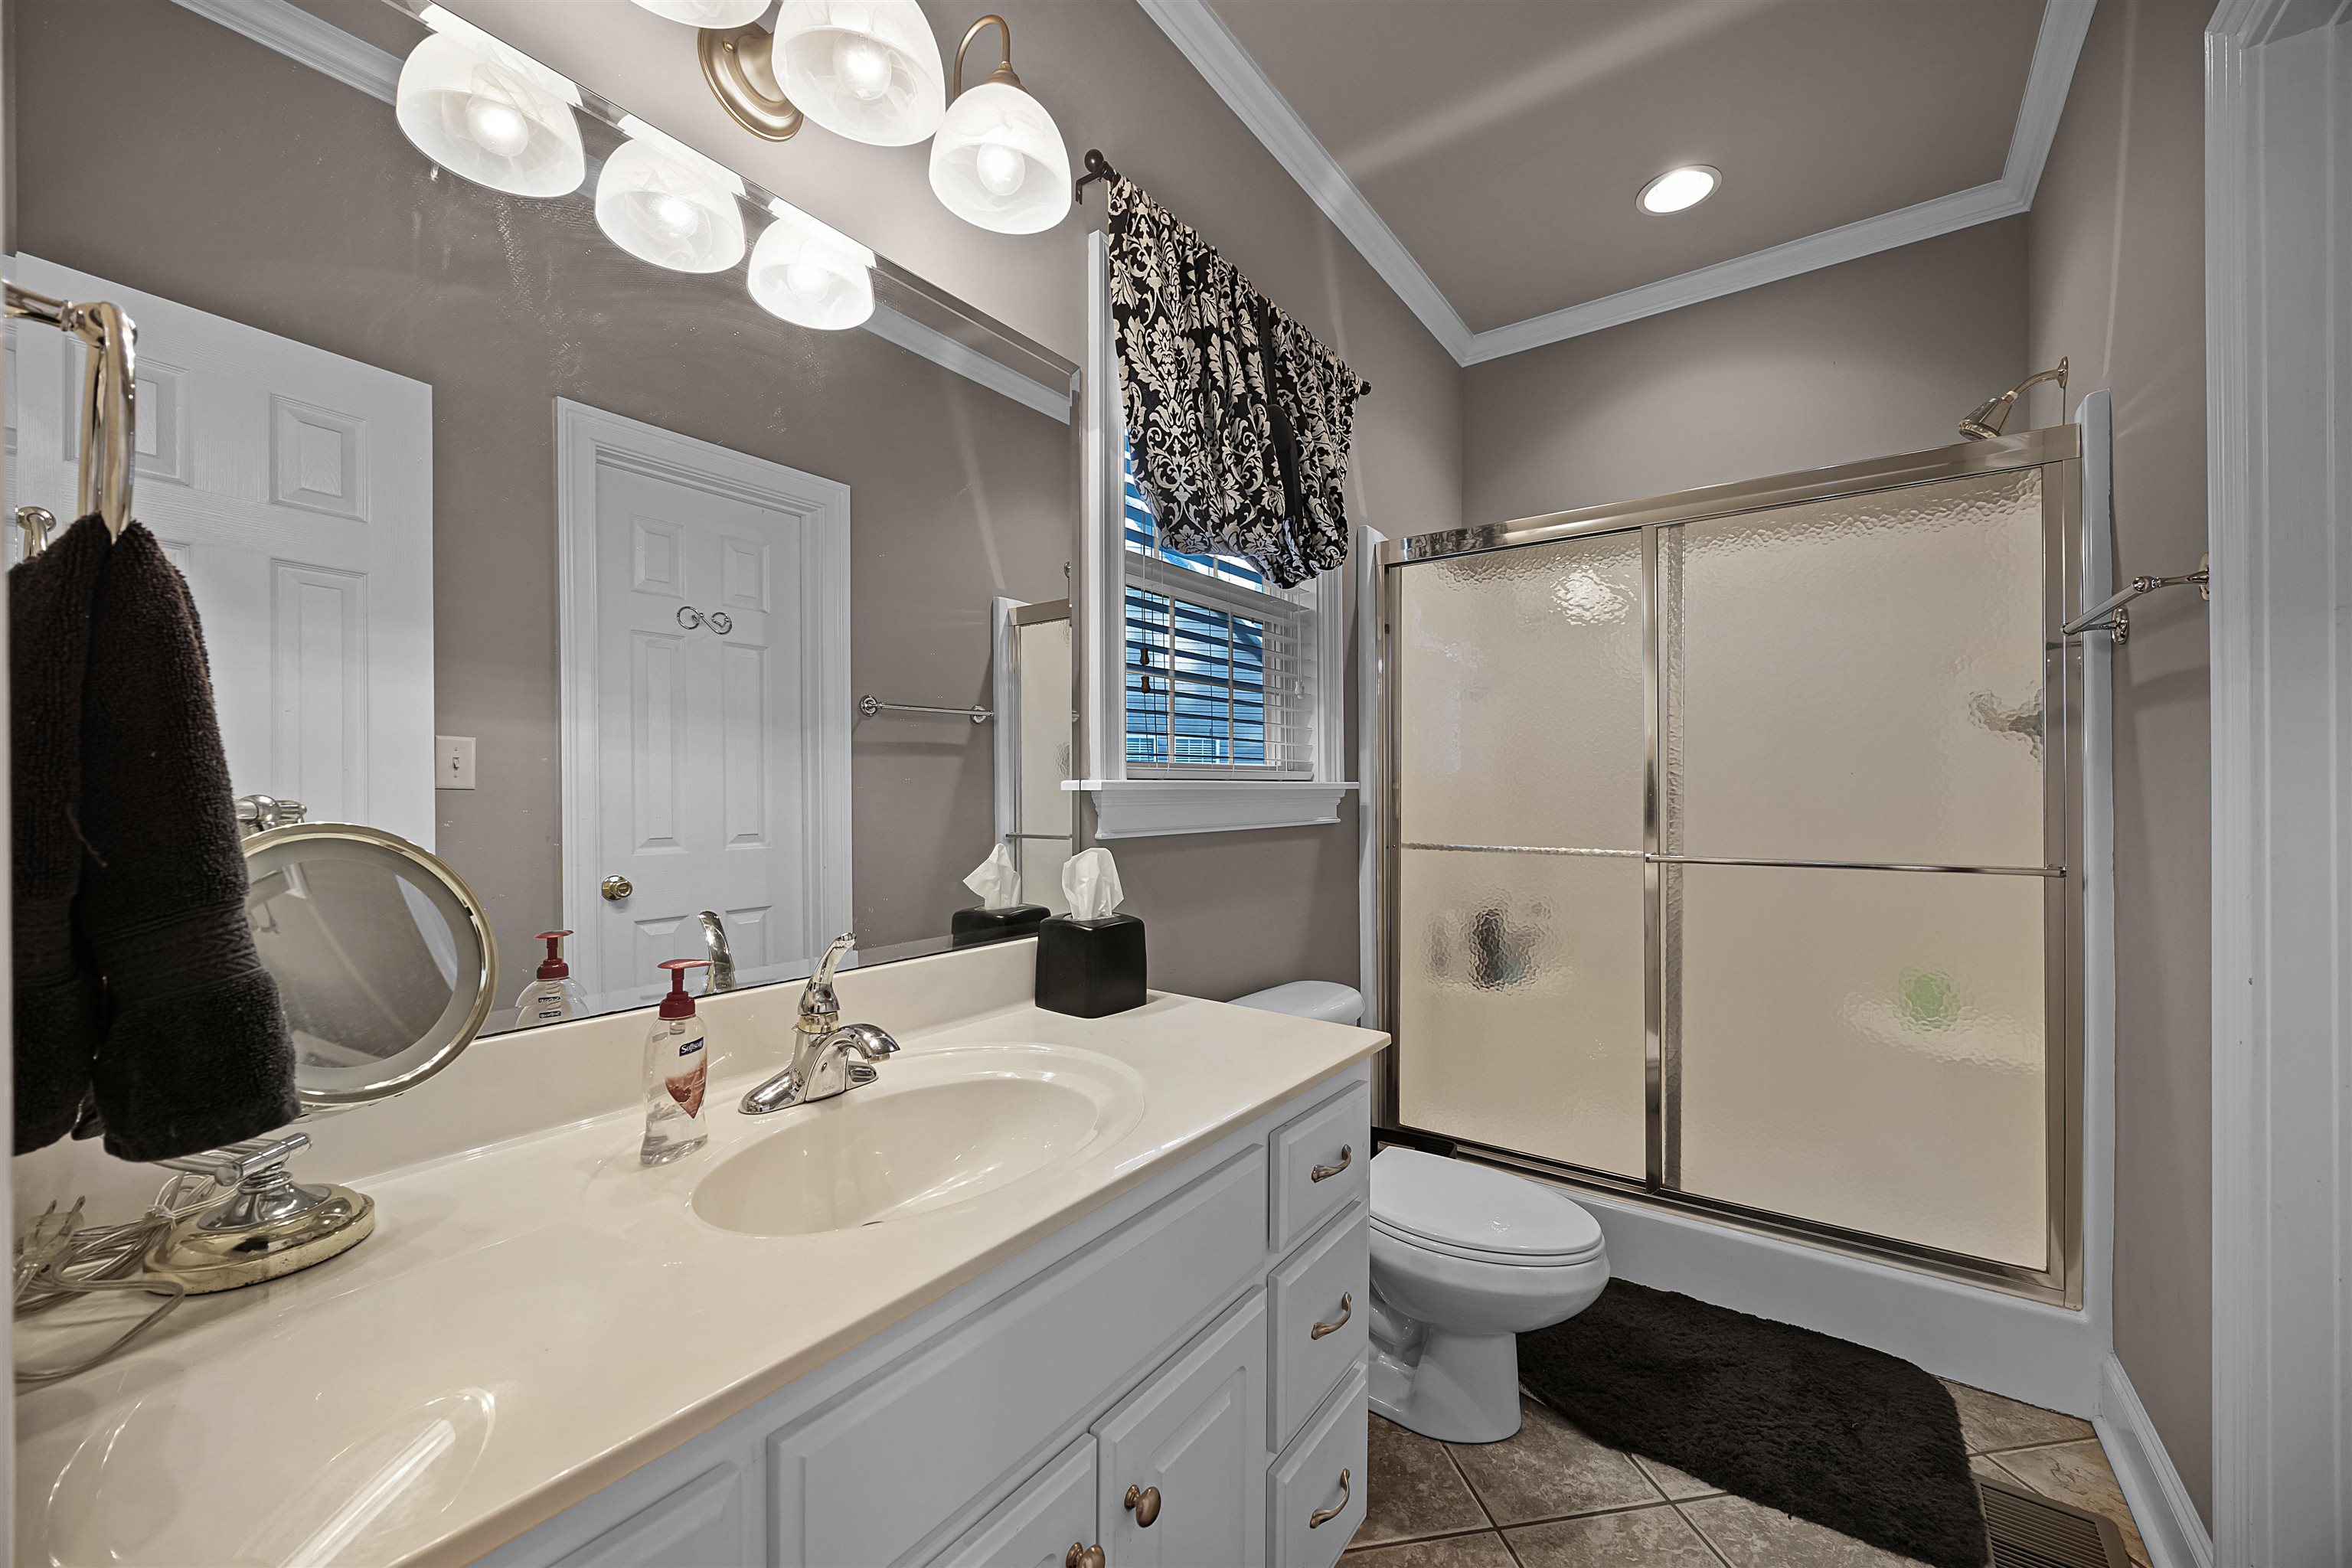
(1050, 1287)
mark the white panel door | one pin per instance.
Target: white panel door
(706, 620)
(294, 489)
(1195, 1434)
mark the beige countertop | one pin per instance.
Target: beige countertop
(536, 1318)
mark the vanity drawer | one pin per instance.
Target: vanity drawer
(1327, 1287)
(1321, 1163)
(1315, 1493)
(893, 1459)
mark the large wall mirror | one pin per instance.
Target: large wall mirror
(567, 564)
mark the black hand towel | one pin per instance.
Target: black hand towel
(196, 1052)
(57, 1002)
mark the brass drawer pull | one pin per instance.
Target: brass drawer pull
(1347, 1310)
(1144, 1503)
(1323, 1516)
(1325, 1173)
(1083, 1556)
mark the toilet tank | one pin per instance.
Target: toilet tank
(1325, 999)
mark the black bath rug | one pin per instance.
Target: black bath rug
(1856, 1439)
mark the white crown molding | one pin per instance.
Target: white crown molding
(1227, 68)
(312, 40)
(895, 327)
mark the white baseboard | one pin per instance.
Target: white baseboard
(2160, 1506)
(2046, 1355)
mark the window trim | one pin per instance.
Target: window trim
(1155, 807)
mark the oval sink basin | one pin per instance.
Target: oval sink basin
(940, 1128)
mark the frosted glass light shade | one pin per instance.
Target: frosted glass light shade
(491, 118)
(808, 273)
(672, 207)
(866, 70)
(707, 12)
(998, 161)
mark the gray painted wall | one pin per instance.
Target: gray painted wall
(1228, 912)
(2115, 246)
(1863, 360)
(248, 185)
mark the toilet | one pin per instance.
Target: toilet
(1464, 1259)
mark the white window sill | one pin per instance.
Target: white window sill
(1156, 809)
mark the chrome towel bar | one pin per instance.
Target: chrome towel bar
(870, 706)
(110, 445)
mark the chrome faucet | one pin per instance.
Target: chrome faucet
(823, 1045)
(720, 976)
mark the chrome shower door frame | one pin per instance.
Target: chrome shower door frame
(2057, 452)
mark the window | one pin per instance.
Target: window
(1219, 667)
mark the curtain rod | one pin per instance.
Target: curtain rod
(1098, 168)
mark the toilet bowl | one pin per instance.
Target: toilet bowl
(1465, 1259)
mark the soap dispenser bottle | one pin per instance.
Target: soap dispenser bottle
(554, 996)
(678, 1072)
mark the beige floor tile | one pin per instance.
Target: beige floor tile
(1414, 1489)
(1751, 1535)
(1674, 1483)
(1639, 1538)
(2077, 1473)
(1550, 1469)
(1991, 1421)
(1484, 1550)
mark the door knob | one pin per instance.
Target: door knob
(616, 887)
(1144, 1503)
(1083, 1556)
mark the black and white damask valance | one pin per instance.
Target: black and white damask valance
(1238, 419)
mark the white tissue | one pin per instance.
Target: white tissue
(996, 879)
(1090, 881)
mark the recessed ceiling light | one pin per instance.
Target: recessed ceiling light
(1679, 188)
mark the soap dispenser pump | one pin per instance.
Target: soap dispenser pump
(678, 1072)
(553, 996)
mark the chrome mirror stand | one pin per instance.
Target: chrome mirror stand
(271, 1224)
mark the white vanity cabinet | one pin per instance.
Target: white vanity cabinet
(1168, 1381)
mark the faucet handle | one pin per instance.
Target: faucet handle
(817, 1000)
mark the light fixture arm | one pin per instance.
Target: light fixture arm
(1990, 418)
(1003, 71)
(739, 64)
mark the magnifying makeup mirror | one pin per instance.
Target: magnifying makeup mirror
(386, 967)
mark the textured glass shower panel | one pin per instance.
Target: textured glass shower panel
(1520, 696)
(1866, 1048)
(1859, 679)
(1520, 996)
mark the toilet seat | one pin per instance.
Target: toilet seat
(1470, 1212)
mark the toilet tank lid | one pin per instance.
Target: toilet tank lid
(1478, 1207)
(1325, 999)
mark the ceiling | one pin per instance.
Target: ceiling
(1486, 154)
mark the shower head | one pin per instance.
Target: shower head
(1988, 418)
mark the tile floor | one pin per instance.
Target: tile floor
(1553, 1497)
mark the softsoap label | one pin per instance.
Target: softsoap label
(687, 1087)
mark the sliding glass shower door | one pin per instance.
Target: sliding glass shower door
(1727, 843)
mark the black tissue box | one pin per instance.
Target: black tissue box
(1089, 968)
(971, 926)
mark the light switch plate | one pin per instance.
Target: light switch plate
(453, 761)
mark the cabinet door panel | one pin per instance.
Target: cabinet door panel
(699, 1525)
(1195, 1433)
(1036, 1526)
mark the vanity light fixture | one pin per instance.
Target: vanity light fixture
(709, 13)
(866, 70)
(490, 115)
(662, 202)
(1677, 190)
(811, 273)
(998, 160)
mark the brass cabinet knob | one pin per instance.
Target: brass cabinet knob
(1083, 1556)
(1325, 1173)
(1323, 1516)
(616, 887)
(1347, 1310)
(1144, 1503)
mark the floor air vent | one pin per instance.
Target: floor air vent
(2032, 1532)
